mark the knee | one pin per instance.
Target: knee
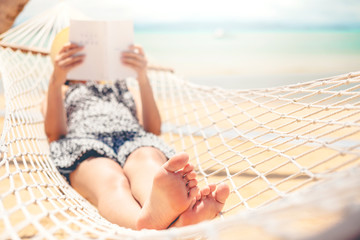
(147, 155)
(113, 182)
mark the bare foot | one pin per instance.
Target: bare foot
(174, 188)
(206, 206)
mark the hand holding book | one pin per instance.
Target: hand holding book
(103, 42)
(66, 60)
(135, 58)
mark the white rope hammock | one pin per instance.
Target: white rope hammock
(290, 154)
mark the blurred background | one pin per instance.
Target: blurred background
(237, 44)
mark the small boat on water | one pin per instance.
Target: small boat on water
(219, 33)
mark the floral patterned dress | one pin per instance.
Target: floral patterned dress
(101, 120)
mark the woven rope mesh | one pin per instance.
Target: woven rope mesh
(290, 154)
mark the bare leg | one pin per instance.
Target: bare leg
(208, 204)
(103, 182)
(141, 167)
(164, 190)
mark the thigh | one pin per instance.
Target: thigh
(95, 177)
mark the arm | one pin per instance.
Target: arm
(150, 116)
(55, 113)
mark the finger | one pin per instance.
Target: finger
(72, 52)
(133, 62)
(68, 46)
(138, 48)
(65, 47)
(73, 65)
(65, 61)
(68, 61)
(132, 55)
(132, 59)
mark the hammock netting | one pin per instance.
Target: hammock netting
(290, 154)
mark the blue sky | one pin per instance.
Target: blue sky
(292, 12)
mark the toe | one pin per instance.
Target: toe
(205, 191)
(212, 187)
(193, 192)
(188, 168)
(198, 196)
(191, 175)
(193, 202)
(176, 163)
(192, 183)
(222, 192)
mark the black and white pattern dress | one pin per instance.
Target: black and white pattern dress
(101, 120)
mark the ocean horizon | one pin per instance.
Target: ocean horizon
(252, 58)
(238, 55)
(261, 44)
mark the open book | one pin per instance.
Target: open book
(103, 42)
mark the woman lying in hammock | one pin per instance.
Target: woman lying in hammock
(106, 146)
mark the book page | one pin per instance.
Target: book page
(91, 35)
(121, 36)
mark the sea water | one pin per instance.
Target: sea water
(243, 59)
(252, 58)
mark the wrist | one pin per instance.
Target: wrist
(142, 78)
(57, 79)
(55, 84)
